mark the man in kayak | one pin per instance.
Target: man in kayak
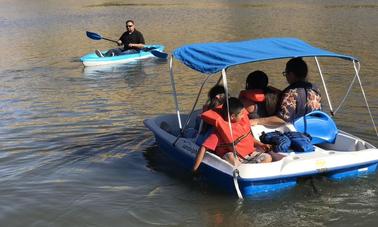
(298, 99)
(132, 41)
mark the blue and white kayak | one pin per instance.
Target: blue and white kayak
(93, 60)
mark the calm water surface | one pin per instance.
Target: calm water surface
(74, 151)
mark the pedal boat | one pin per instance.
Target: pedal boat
(337, 154)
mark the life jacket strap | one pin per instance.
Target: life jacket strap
(238, 140)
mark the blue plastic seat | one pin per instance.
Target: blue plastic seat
(319, 125)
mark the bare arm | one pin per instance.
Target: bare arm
(199, 158)
(270, 121)
(265, 147)
(137, 45)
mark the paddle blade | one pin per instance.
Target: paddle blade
(94, 36)
(159, 54)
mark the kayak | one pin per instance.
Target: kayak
(92, 59)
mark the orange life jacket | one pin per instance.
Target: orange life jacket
(241, 132)
(254, 95)
(254, 102)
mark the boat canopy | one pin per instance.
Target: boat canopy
(211, 58)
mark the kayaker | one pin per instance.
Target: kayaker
(132, 41)
(298, 99)
(220, 140)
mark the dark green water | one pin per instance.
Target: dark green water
(73, 148)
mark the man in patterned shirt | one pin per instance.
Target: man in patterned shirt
(298, 99)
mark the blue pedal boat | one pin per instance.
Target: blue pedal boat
(337, 154)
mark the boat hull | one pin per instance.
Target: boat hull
(260, 179)
(92, 59)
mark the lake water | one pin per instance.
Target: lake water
(74, 150)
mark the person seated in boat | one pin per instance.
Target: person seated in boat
(220, 140)
(259, 99)
(298, 99)
(216, 97)
(132, 41)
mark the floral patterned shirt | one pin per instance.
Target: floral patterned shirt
(293, 103)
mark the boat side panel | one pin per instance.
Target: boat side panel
(353, 172)
(218, 179)
(265, 187)
(185, 160)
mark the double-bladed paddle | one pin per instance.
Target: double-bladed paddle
(159, 54)
(96, 36)
(153, 51)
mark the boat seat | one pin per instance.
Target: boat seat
(319, 125)
(257, 130)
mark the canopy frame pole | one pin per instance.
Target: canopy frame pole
(356, 69)
(192, 111)
(348, 92)
(235, 171)
(325, 87)
(174, 91)
(219, 80)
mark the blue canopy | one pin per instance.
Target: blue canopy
(213, 57)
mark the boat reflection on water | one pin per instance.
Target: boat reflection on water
(107, 70)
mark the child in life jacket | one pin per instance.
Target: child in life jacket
(216, 98)
(258, 98)
(254, 102)
(221, 140)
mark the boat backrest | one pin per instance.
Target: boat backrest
(319, 125)
(257, 130)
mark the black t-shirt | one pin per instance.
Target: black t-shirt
(135, 37)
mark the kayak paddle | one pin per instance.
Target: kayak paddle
(96, 36)
(159, 54)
